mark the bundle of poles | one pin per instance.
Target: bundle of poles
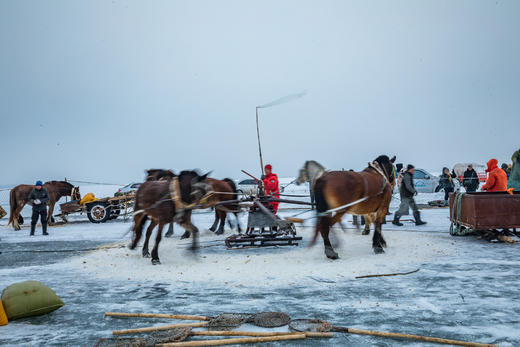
(243, 337)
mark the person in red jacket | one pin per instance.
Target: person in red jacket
(271, 185)
(497, 179)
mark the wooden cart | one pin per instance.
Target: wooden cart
(101, 210)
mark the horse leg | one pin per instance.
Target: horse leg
(155, 250)
(188, 225)
(220, 230)
(215, 223)
(378, 242)
(368, 221)
(337, 217)
(169, 233)
(139, 221)
(323, 226)
(51, 212)
(146, 253)
(186, 217)
(238, 223)
(17, 215)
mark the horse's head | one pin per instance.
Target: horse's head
(193, 186)
(387, 165)
(303, 175)
(309, 172)
(75, 194)
(159, 174)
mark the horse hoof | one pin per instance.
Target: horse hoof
(212, 229)
(383, 243)
(146, 255)
(379, 250)
(365, 232)
(220, 232)
(131, 246)
(186, 235)
(168, 234)
(156, 262)
(329, 252)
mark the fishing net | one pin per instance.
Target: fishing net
(156, 337)
(121, 342)
(270, 319)
(310, 325)
(228, 320)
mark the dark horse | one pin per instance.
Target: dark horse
(226, 190)
(18, 197)
(165, 201)
(161, 175)
(367, 193)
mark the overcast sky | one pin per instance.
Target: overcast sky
(102, 90)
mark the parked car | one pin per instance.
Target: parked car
(132, 187)
(248, 185)
(425, 182)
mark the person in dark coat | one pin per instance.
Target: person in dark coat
(470, 180)
(446, 182)
(506, 169)
(39, 197)
(407, 192)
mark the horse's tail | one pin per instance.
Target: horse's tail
(321, 207)
(12, 206)
(231, 184)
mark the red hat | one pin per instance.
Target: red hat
(268, 167)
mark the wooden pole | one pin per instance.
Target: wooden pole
(163, 327)
(233, 341)
(417, 337)
(155, 315)
(259, 147)
(256, 333)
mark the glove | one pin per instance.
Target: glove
(37, 201)
(262, 177)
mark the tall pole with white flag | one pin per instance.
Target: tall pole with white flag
(276, 102)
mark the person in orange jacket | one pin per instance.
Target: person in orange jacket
(497, 179)
(271, 185)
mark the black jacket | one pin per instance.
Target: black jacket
(470, 180)
(407, 187)
(42, 195)
(445, 181)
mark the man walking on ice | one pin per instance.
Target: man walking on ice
(39, 197)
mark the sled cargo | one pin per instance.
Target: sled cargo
(486, 210)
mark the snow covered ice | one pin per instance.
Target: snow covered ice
(466, 288)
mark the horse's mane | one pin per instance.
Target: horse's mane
(315, 163)
(60, 182)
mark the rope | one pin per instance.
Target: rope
(456, 229)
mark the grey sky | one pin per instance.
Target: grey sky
(101, 90)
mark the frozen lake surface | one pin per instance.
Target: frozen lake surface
(466, 288)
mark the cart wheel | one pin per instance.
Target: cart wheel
(98, 213)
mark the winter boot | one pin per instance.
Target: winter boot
(44, 228)
(33, 228)
(396, 220)
(417, 216)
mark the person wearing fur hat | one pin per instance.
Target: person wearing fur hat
(38, 197)
(271, 185)
(407, 192)
(497, 178)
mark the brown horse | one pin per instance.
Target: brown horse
(19, 195)
(367, 193)
(165, 201)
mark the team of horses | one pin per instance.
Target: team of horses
(166, 197)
